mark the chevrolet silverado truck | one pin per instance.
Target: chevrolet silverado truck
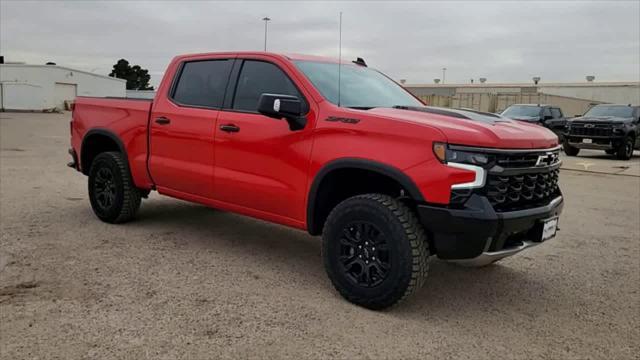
(333, 148)
(548, 116)
(612, 128)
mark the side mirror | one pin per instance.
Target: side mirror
(280, 106)
(547, 117)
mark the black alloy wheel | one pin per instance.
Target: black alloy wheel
(375, 250)
(364, 254)
(105, 188)
(625, 150)
(112, 193)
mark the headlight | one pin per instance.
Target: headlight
(446, 155)
(465, 160)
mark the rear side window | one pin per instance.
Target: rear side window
(202, 83)
(555, 112)
(257, 78)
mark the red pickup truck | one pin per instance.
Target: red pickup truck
(385, 180)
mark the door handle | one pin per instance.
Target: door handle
(230, 128)
(163, 121)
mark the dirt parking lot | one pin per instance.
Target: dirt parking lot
(186, 281)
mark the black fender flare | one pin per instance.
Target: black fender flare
(101, 132)
(356, 163)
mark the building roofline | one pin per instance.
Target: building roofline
(63, 68)
(490, 85)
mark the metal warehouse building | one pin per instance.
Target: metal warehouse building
(47, 87)
(573, 98)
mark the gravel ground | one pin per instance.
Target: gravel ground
(186, 281)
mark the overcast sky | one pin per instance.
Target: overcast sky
(502, 41)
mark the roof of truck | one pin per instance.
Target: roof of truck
(267, 53)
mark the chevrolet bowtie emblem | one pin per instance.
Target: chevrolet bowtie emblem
(546, 159)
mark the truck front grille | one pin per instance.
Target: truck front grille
(578, 129)
(526, 160)
(522, 191)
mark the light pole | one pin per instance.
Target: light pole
(443, 71)
(266, 19)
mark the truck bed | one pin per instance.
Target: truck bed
(126, 118)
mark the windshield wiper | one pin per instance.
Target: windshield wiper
(361, 107)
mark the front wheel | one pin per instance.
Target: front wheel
(570, 150)
(113, 197)
(625, 149)
(375, 251)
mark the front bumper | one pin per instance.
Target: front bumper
(598, 142)
(478, 235)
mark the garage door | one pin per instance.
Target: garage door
(64, 92)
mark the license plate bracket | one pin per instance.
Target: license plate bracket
(587, 141)
(549, 228)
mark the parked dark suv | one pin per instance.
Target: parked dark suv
(548, 116)
(612, 128)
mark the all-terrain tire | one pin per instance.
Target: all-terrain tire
(625, 149)
(397, 227)
(570, 150)
(113, 196)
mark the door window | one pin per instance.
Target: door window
(202, 83)
(257, 78)
(555, 112)
(546, 112)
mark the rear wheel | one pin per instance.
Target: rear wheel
(375, 251)
(570, 150)
(113, 197)
(625, 149)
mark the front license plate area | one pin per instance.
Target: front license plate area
(549, 228)
(587, 141)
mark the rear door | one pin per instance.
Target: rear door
(182, 127)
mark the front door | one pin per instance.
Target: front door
(182, 128)
(260, 163)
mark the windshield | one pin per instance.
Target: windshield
(360, 87)
(617, 111)
(518, 111)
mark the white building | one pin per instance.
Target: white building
(46, 87)
(607, 92)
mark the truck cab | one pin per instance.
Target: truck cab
(330, 147)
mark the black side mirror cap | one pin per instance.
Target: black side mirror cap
(280, 106)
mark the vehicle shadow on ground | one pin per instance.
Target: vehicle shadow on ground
(450, 290)
(192, 225)
(453, 291)
(603, 156)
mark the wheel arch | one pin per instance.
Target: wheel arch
(315, 216)
(96, 141)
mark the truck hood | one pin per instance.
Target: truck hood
(602, 119)
(467, 127)
(525, 118)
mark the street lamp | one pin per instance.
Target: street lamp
(266, 19)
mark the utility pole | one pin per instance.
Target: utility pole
(444, 69)
(266, 19)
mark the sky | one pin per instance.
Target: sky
(503, 41)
